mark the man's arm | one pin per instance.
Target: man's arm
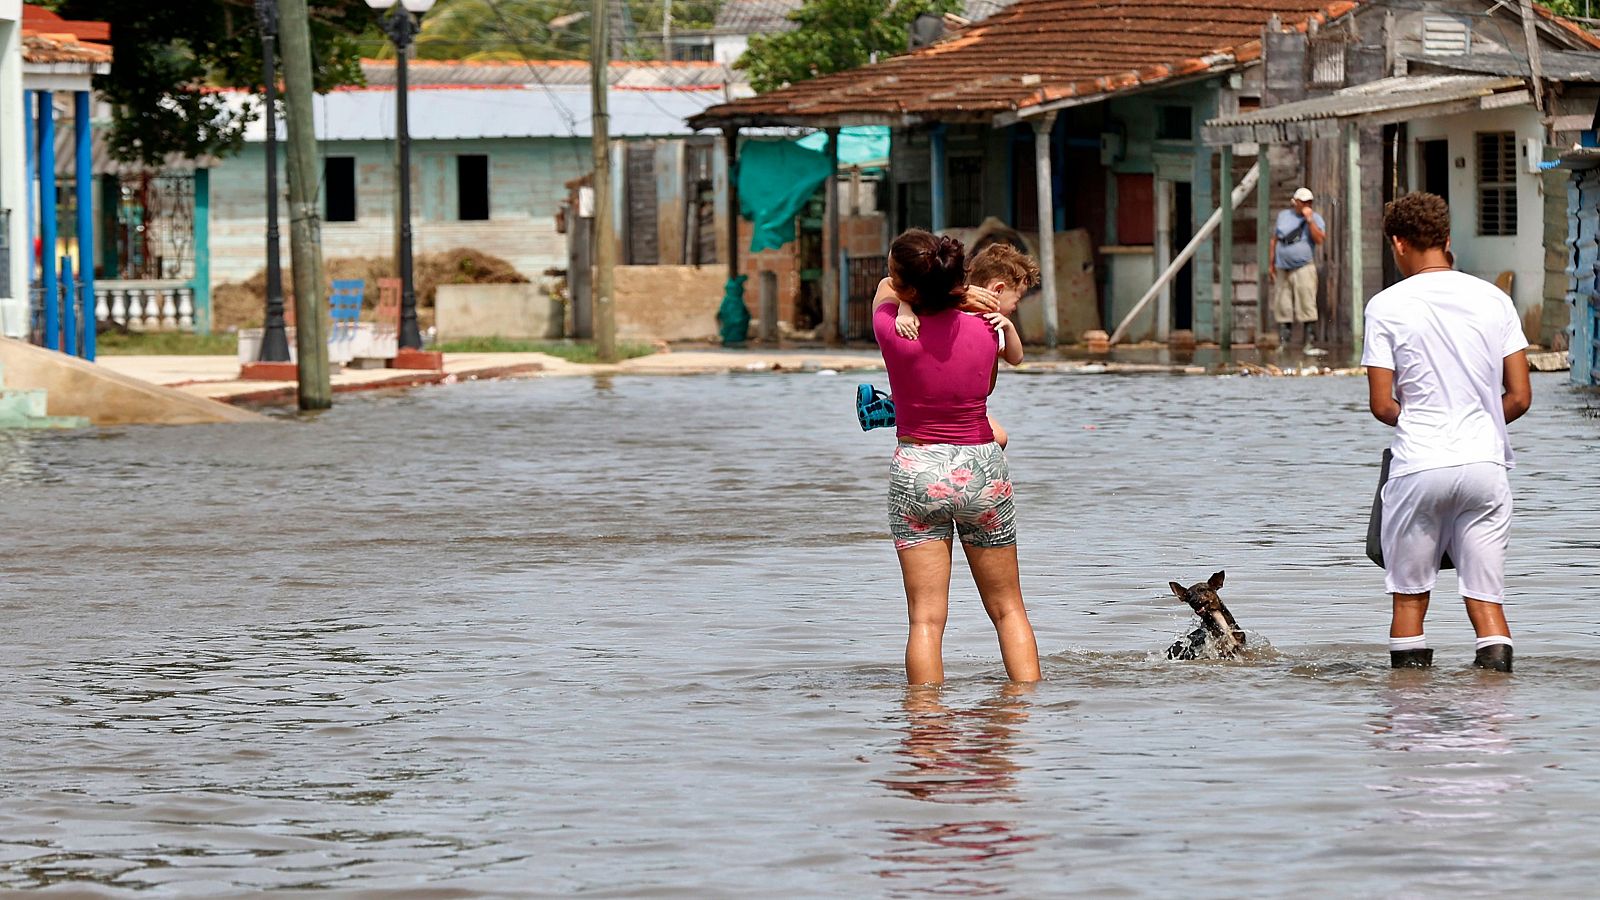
(1380, 396)
(1272, 256)
(1317, 234)
(1519, 390)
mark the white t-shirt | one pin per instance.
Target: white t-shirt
(1446, 336)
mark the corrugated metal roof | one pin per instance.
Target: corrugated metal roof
(1392, 97)
(755, 16)
(443, 113)
(1384, 95)
(1556, 65)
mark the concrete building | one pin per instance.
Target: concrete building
(493, 147)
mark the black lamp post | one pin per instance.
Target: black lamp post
(402, 26)
(274, 337)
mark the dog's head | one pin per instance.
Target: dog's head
(1213, 613)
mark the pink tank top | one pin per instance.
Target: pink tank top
(941, 380)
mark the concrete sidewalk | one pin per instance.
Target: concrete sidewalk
(217, 377)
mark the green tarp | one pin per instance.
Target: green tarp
(776, 178)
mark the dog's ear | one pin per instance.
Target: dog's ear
(1216, 581)
(1180, 590)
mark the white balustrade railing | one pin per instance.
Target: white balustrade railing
(146, 305)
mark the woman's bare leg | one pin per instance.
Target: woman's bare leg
(926, 570)
(995, 571)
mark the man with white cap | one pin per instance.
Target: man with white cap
(1295, 238)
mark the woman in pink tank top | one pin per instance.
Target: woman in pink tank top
(948, 478)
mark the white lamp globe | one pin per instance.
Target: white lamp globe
(380, 4)
(416, 6)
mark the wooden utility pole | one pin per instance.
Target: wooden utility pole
(605, 239)
(305, 227)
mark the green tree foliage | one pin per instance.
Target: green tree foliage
(167, 54)
(834, 35)
(1563, 7)
(490, 30)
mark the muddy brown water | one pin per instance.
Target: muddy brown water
(642, 637)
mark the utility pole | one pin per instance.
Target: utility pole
(605, 240)
(666, 30)
(305, 227)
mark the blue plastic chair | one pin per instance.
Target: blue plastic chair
(345, 307)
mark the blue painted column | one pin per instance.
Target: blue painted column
(937, 177)
(69, 317)
(47, 220)
(83, 177)
(202, 251)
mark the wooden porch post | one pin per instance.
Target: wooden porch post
(1047, 230)
(1352, 192)
(832, 321)
(1264, 226)
(730, 146)
(1224, 265)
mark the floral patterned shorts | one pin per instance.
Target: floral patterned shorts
(938, 490)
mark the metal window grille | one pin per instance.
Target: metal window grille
(1327, 51)
(966, 190)
(1497, 183)
(1445, 36)
(864, 273)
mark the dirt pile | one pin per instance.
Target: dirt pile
(242, 304)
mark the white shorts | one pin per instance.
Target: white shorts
(1462, 510)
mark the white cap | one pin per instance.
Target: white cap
(1304, 195)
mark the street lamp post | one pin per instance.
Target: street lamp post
(402, 26)
(274, 337)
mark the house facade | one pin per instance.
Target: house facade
(1098, 121)
(13, 176)
(493, 147)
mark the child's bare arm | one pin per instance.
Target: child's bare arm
(1010, 343)
(906, 323)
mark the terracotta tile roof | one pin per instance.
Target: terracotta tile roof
(1035, 52)
(42, 21)
(62, 48)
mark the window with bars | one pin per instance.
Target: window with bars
(1326, 56)
(1497, 183)
(966, 190)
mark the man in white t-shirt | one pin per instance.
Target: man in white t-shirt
(1446, 367)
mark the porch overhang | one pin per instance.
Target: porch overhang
(1383, 102)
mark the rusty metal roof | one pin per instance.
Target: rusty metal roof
(1032, 53)
(1378, 102)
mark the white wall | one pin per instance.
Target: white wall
(13, 167)
(1487, 257)
(727, 48)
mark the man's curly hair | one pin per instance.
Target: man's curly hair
(1420, 219)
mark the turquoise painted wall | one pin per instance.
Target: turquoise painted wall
(527, 183)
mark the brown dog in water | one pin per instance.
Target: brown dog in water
(1217, 628)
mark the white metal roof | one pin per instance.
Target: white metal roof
(520, 111)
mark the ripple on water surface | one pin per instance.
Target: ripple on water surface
(642, 636)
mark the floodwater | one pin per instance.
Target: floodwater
(642, 637)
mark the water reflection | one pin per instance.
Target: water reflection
(962, 756)
(1453, 735)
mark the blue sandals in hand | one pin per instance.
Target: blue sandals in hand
(874, 408)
